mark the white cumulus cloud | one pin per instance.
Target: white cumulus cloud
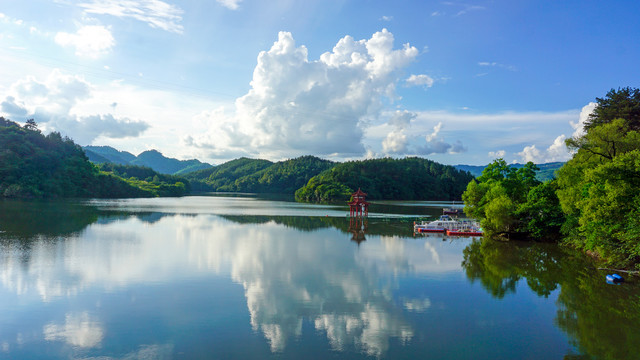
(299, 106)
(557, 151)
(436, 144)
(396, 140)
(52, 103)
(420, 80)
(584, 116)
(531, 153)
(90, 41)
(497, 154)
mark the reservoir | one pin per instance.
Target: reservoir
(243, 277)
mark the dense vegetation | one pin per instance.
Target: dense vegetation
(260, 176)
(33, 165)
(596, 198)
(36, 166)
(600, 193)
(147, 179)
(283, 177)
(510, 202)
(223, 177)
(406, 179)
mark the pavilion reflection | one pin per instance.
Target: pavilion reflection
(358, 227)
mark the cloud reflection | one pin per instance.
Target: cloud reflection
(79, 329)
(289, 277)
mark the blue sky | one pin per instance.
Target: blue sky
(455, 82)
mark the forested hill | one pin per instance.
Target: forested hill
(151, 158)
(403, 179)
(33, 165)
(257, 175)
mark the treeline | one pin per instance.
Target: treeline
(595, 201)
(149, 180)
(259, 176)
(391, 179)
(312, 179)
(33, 165)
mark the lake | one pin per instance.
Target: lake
(222, 277)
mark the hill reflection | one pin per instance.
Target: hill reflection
(292, 271)
(603, 319)
(297, 278)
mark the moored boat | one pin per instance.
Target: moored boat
(451, 211)
(464, 232)
(452, 227)
(465, 228)
(437, 226)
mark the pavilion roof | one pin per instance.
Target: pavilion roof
(359, 192)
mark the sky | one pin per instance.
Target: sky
(454, 82)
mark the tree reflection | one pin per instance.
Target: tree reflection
(603, 320)
(374, 226)
(26, 219)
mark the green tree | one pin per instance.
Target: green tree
(509, 201)
(598, 188)
(623, 103)
(36, 166)
(393, 179)
(542, 215)
(31, 125)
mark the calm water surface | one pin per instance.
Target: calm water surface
(248, 278)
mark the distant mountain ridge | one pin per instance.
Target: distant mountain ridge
(546, 172)
(150, 158)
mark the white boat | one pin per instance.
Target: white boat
(441, 225)
(466, 228)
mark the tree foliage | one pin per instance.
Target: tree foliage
(623, 103)
(224, 176)
(599, 188)
(149, 180)
(509, 201)
(33, 165)
(283, 177)
(600, 192)
(391, 179)
(259, 176)
(595, 201)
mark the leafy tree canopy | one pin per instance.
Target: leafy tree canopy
(513, 202)
(33, 165)
(623, 103)
(400, 179)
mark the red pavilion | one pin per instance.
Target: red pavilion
(358, 206)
